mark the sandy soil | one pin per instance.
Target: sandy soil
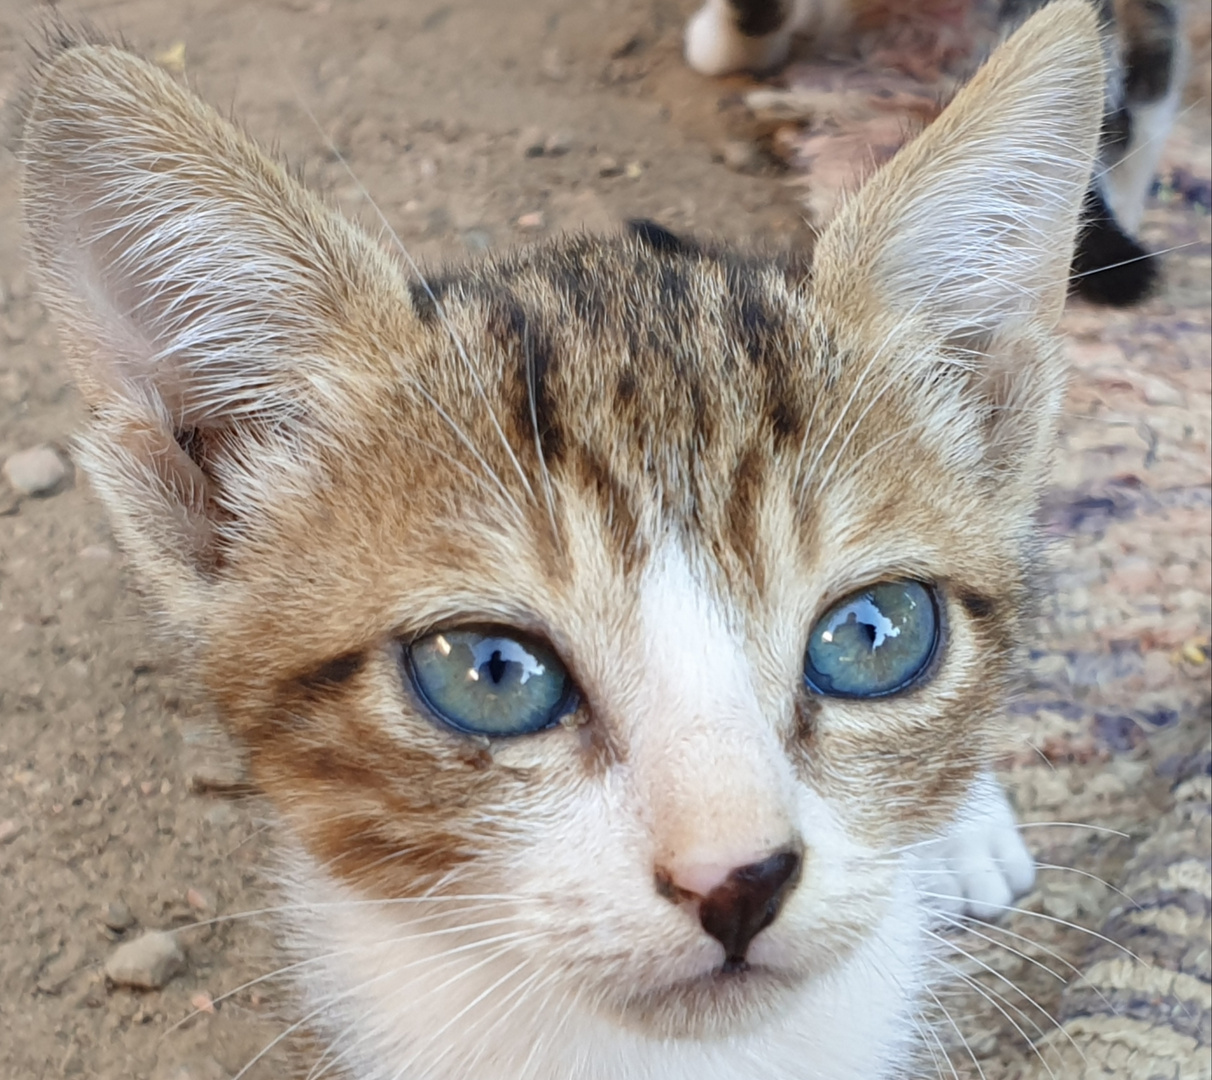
(478, 124)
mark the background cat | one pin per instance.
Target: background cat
(638, 470)
(1145, 49)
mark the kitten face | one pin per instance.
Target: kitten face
(640, 468)
(687, 562)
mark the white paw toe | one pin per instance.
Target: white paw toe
(981, 865)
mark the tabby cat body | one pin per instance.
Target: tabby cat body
(1145, 58)
(655, 827)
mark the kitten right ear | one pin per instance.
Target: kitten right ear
(198, 289)
(971, 227)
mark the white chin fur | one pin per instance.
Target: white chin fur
(389, 1009)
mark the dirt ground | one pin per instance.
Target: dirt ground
(480, 124)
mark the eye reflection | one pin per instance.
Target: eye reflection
(489, 682)
(874, 642)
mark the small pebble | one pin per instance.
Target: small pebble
(609, 166)
(531, 221)
(553, 65)
(477, 239)
(147, 963)
(9, 831)
(532, 142)
(222, 816)
(624, 44)
(198, 900)
(37, 471)
(558, 143)
(118, 916)
(205, 1069)
(1195, 652)
(741, 156)
(634, 170)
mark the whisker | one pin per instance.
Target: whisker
(544, 472)
(1092, 877)
(998, 1002)
(327, 1003)
(353, 950)
(403, 1070)
(1134, 259)
(1002, 978)
(968, 928)
(1040, 915)
(367, 1033)
(959, 1034)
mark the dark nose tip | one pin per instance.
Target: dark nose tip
(748, 901)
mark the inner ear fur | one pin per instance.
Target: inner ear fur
(958, 250)
(200, 292)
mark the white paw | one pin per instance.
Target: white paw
(714, 46)
(980, 865)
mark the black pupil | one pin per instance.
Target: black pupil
(496, 667)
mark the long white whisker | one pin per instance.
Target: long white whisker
(1046, 918)
(996, 1000)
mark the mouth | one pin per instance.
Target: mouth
(732, 997)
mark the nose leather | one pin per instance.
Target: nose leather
(747, 902)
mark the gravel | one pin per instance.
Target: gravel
(147, 963)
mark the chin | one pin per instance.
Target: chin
(716, 1004)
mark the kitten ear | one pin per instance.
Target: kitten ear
(197, 288)
(971, 227)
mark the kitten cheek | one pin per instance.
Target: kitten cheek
(374, 791)
(921, 749)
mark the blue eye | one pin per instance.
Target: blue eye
(490, 682)
(873, 642)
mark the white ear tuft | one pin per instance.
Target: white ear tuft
(200, 293)
(180, 259)
(972, 225)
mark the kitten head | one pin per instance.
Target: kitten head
(605, 620)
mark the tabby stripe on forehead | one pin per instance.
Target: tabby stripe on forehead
(426, 296)
(523, 336)
(743, 510)
(616, 504)
(753, 321)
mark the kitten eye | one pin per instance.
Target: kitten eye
(873, 642)
(488, 682)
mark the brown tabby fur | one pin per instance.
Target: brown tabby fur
(313, 455)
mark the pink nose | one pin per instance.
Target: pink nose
(734, 905)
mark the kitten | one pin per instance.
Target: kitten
(619, 627)
(1144, 47)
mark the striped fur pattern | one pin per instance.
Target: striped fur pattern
(665, 459)
(1146, 59)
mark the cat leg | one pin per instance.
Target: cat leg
(1110, 266)
(1153, 63)
(725, 36)
(980, 864)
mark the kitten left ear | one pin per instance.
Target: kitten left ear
(971, 227)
